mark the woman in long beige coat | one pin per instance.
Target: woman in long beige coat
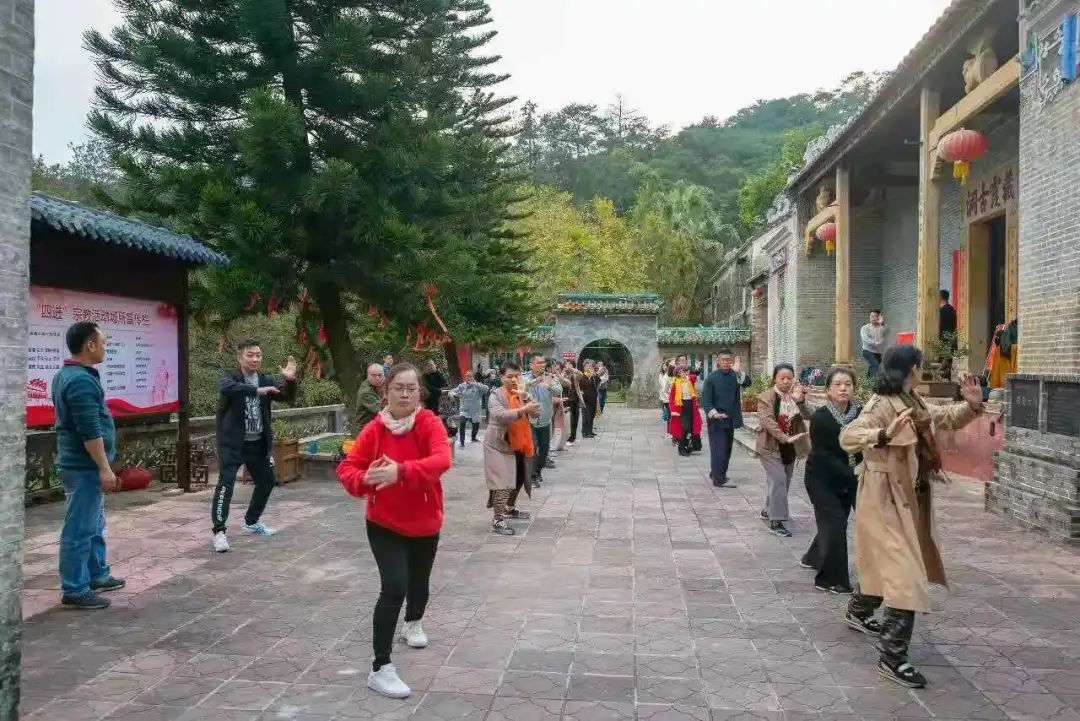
(504, 469)
(896, 553)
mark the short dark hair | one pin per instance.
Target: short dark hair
(248, 343)
(896, 365)
(944, 295)
(725, 350)
(509, 366)
(79, 334)
(782, 367)
(876, 310)
(840, 371)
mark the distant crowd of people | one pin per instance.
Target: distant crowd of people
(881, 460)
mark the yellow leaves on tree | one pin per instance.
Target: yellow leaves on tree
(578, 250)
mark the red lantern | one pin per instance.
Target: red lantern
(961, 148)
(826, 233)
(134, 479)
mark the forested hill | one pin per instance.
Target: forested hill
(613, 152)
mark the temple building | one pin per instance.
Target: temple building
(962, 173)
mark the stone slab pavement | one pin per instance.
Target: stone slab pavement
(636, 592)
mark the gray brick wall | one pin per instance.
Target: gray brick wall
(637, 332)
(1049, 293)
(16, 118)
(899, 259)
(866, 236)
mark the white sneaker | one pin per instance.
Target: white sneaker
(386, 682)
(221, 542)
(414, 635)
(259, 529)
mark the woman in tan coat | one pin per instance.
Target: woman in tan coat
(896, 554)
(505, 467)
(781, 441)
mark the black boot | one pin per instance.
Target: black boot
(896, 629)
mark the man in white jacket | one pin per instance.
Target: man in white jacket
(872, 336)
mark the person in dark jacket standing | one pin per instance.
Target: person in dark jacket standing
(245, 437)
(435, 383)
(721, 400)
(590, 398)
(831, 483)
(86, 446)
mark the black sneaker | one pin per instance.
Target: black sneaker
(904, 674)
(869, 626)
(838, 589)
(86, 602)
(764, 515)
(518, 515)
(112, 583)
(779, 529)
(502, 528)
(722, 483)
(804, 564)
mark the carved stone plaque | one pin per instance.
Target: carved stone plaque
(1024, 404)
(1063, 408)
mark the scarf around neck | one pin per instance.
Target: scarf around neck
(788, 409)
(681, 383)
(926, 447)
(843, 418)
(397, 426)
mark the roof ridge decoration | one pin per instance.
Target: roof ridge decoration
(701, 335)
(102, 226)
(587, 303)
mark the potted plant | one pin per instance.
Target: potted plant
(286, 452)
(941, 354)
(750, 394)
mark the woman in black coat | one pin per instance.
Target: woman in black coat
(831, 483)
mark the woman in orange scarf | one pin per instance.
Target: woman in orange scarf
(508, 443)
(685, 422)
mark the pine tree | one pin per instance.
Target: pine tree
(344, 154)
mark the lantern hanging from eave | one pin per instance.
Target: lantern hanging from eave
(962, 148)
(826, 233)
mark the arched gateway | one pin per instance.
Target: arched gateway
(631, 320)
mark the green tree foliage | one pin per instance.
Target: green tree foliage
(81, 178)
(757, 192)
(573, 248)
(352, 149)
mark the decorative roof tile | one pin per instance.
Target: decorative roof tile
(541, 335)
(609, 303)
(104, 227)
(701, 335)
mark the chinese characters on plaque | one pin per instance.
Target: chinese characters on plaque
(991, 193)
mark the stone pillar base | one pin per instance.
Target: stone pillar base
(1036, 480)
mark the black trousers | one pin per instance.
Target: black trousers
(897, 626)
(255, 457)
(688, 442)
(542, 441)
(575, 417)
(462, 422)
(828, 552)
(588, 413)
(721, 441)
(405, 571)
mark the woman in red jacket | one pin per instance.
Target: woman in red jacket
(396, 464)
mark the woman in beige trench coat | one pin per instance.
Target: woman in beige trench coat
(896, 554)
(505, 470)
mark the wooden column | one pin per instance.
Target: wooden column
(926, 318)
(183, 429)
(842, 345)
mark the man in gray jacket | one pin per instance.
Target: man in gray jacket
(872, 336)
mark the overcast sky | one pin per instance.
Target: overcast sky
(675, 60)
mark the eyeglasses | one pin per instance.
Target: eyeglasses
(404, 390)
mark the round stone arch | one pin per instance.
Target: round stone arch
(637, 332)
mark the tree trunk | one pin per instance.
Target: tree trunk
(335, 320)
(452, 366)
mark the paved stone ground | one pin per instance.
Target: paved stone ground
(638, 591)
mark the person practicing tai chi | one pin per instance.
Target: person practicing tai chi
(397, 465)
(246, 438)
(721, 400)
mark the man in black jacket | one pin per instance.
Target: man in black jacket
(245, 437)
(721, 400)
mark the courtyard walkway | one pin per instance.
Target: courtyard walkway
(636, 592)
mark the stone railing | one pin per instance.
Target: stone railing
(149, 444)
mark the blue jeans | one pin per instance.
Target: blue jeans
(873, 360)
(603, 398)
(82, 539)
(665, 414)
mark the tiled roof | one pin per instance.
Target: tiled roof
(609, 303)
(942, 28)
(104, 227)
(541, 334)
(701, 335)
